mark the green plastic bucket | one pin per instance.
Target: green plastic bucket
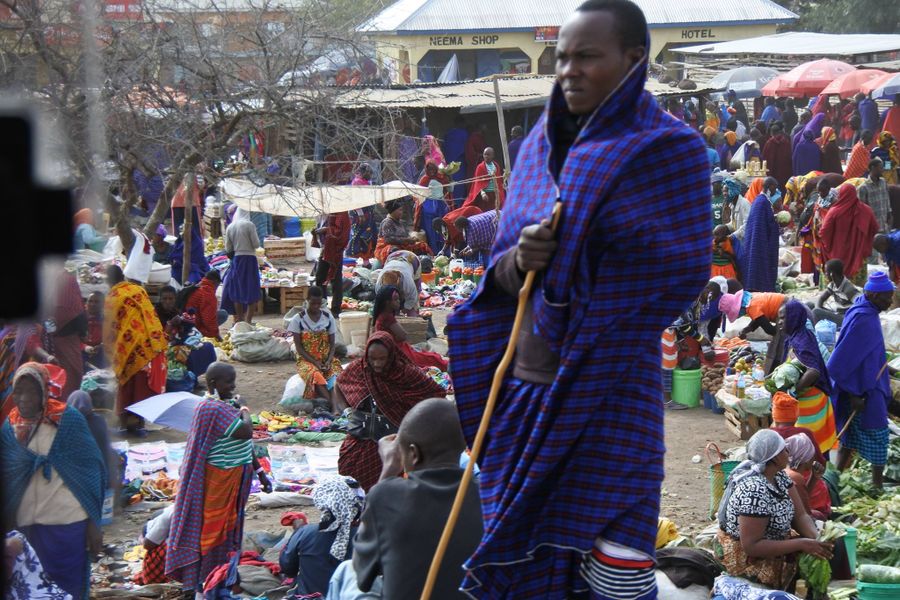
(878, 591)
(686, 387)
(850, 546)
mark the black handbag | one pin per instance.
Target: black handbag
(367, 423)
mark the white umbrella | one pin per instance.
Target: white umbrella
(314, 200)
(747, 82)
(174, 409)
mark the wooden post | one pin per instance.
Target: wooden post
(501, 123)
(187, 236)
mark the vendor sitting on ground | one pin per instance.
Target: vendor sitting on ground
(840, 291)
(478, 232)
(314, 330)
(806, 473)
(387, 305)
(314, 551)
(758, 510)
(187, 356)
(403, 270)
(725, 253)
(785, 412)
(167, 307)
(156, 534)
(393, 234)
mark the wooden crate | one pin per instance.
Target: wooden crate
(213, 226)
(290, 297)
(745, 427)
(416, 328)
(286, 251)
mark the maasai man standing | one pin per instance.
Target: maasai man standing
(860, 379)
(570, 481)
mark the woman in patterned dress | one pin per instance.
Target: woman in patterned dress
(761, 515)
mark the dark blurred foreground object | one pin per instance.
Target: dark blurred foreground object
(39, 219)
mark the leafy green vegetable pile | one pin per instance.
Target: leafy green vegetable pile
(816, 571)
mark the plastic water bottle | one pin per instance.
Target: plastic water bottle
(741, 386)
(759, 374)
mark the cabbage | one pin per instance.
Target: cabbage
(879, 574)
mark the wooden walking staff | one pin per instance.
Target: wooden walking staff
(496, 385)
(853, 414)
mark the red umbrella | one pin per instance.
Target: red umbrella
(811, 78)
(873, 84)
(849, 84)
(777, 88)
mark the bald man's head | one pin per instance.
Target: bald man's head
(431, 436)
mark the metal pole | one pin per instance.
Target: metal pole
(501, 123)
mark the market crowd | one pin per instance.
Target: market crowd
(755, 184)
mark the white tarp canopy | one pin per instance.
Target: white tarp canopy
(314, 200)
(802, 43)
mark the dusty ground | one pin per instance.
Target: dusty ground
(685, 493)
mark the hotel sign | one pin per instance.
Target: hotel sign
(697, 34)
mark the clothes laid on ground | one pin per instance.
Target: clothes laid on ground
(857, 368)
(315, 339)
(208, 520)
(400, 529)
(540, 435)
(399, 387)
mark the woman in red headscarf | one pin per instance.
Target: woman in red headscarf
(847, 233)
(831, 153)
(386, 375)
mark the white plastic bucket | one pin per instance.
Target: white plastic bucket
(358, 338)
(354, 321)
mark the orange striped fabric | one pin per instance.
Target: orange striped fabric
(817, 415)
(669, 350)
(220, 505)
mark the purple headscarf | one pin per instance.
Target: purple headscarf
(803, 342)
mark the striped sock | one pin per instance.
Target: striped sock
(610, 577)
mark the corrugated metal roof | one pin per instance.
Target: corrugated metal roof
(417, 16)
(885, 65)
(803, 44)
(470, 96)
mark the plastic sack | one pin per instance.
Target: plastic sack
(826, 331)
(890, 327)
(293, 392)
(257, 345)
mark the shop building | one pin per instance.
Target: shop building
(416, 39)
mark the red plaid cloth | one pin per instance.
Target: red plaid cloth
(154, 567)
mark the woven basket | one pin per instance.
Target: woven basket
(719, 470)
